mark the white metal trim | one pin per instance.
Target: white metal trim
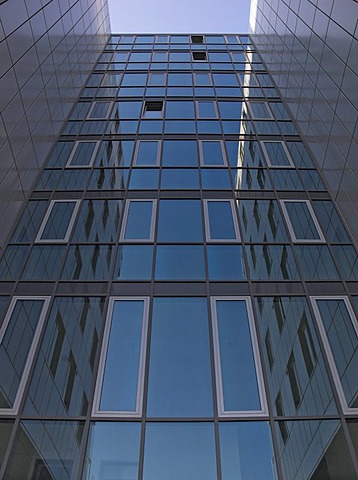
(207, 221)
(337, 381)
(125, 220)
(201, 154)
(31, 354)
(96, 412)
(90, 164)
(257, 361)
(286, 215)
(267, 157)
(38, 238)
(135, 164)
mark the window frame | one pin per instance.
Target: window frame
(32, 351)
(197, 110)
(94, 103)
(70, 226)
(92, 159)
(136, 152)
(289, 224)
(96, 412)
(222, 413)
(249, 103)
(150, 74)
(327, 348)
(201, 154)
(198, 37)
(154, 203)
(207, 221)
(144, 110)
(267, 157)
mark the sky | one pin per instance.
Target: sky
(179, 16)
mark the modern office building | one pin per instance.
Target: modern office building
(47, 50)
(311, 48)
(179, 295)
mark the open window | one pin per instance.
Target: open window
(19, 336)
(338, 327)
(58, 222)
(197, 39)
(301, 221)
(119, 389)
(276, 154)
(199, 56)
(239, 379)
(153, 110)
(83, 154)
(221, 221)
(138, 221)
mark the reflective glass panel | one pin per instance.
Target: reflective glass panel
(180, 221)
(276, 154)
(206, 109)
(179, 371)
(98, 221)
(301, 221)
(180, 179)
(88, 262)
(147, 153)
(134, 262)
(124, 349)
(212, 153)
(177, 153)
(221, 221)
(58, 220)
(83, 154)
(271, 262)
(184, 262)
(139, 220)
(239, 445)
(226, 262)
(237, 378)
(112, 451)
(316, 262)
(179, 451)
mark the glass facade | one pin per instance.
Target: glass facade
(178, 298)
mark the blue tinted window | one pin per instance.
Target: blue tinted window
(226, 262)
(180, 221)
(174, 262)
(180, 179)
(221, 222)
(134, 262)
(179, 372)
(139, 220)
(147, 153)
(178, 153)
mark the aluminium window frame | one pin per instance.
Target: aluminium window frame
(201, 72)
(94, 103)
(267, 157)
(327, 348)
(249, 103)
(122, 238)
(197, 110)
(156, 72)
(96, 412)
(222, 413)
(207, 221)
(201, 154)
(92, 159)
(71, 223)
(195, 60)
(144, 109)
(291, 231)
(31, 354)
(136, 152)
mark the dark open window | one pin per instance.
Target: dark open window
(199, 56)
(153, 109)
(197, 39)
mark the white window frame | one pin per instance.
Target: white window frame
(70, 223)
(201, 154)
(32, 351)
(263, 412)
(110, 104)
(207, 221)
(197, 111)
(337, 381)
(125, 220)
(72, 154)
(287, 218)
(267, 157)
(96, 412)
(136, 152)
(252, 116)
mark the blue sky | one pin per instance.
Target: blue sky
(179, 16)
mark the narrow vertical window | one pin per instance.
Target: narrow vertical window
(119, 388)
(19, 335)
(147, 153)
(83, 154)
(276, 154)
(58, 221)
(280, 413)
(211, 153)
(292, 377)
(338, 327)
(237, 365)
(138, 221)
(301, 221)
(307, 345)
(220, 221)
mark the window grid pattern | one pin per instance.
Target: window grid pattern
(202, 166)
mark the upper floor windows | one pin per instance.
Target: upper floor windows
(301, 220)
(83, 154)
(58, 221)
(276, 154)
